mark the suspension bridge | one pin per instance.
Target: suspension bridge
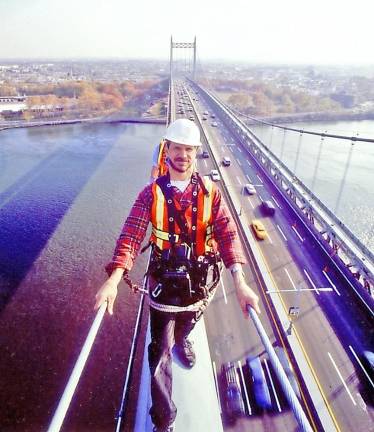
(314, 275)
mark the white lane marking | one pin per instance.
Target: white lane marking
(239, 149)
(310, 280)
(237, 160)
(245, 387)
(281, 232)
(297, 233)
(259, 178)
(216, 384)
(327, 277)
(206, 165)
(248, 162)
(361, 402)
(289, 277)
(341, 377)
(224, 291)
(249, 178)
(250, 202)
(362, 367)
(276, 202)
(270, 240)
(272, 386)
(237, 178)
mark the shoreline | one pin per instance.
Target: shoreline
(317, 117)
(26, 124)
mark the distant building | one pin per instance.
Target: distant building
(12, 103)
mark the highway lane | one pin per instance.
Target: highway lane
(287, 251)
(349, 421)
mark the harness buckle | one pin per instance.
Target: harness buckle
(157, 290)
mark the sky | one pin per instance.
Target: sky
(254, 31)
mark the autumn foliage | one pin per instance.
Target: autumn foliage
(80, 97)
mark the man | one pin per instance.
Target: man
(189, 222)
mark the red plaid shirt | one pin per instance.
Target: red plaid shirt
(135, 228)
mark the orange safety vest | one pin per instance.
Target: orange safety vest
(204, 229)
(161, 160)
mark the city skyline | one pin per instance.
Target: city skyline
(298, 32)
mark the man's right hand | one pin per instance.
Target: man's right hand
(107, 292)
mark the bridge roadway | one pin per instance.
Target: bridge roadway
(332, 327)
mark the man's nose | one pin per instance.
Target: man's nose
(183, 153)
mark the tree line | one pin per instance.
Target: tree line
(260, 98)
(83, 97)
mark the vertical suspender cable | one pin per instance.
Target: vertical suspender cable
(342, 183)
(286, 386)
(65, 400)
(317, 163)
(298, 152)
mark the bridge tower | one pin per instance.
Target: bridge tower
(183, 45)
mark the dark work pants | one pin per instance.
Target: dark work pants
(166, 328)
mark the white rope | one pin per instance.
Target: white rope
(194, 307)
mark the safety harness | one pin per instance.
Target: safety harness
(174, 262)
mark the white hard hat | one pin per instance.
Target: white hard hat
(183, 131)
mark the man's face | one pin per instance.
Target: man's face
(181, 157)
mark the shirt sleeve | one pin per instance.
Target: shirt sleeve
(226, 232)
(133, 232)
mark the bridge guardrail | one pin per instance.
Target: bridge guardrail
(356, 254)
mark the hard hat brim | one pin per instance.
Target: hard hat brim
(184, 143)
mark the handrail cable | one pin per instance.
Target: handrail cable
(286, 386)
(63, 406)
(351, 138)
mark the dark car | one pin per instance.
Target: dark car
(268, 207)
(367, 377)
(233, 399)
(260, 387)
(205, 154)
(226, 161)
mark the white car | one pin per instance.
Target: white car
(214, 124)
(214, 174)
(249, 189)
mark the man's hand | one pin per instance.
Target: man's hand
(108, 292)
(246, 296)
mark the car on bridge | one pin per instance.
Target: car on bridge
(260, 387)
(367, 377)
(214, 174)
(226, 161)
(232, 395)
(249, 189)
(268, 207)
(259, 229)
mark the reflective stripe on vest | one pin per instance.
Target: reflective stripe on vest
(161, 160)
(159, 219)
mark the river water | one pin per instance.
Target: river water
(339, 173)
(64, 193)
